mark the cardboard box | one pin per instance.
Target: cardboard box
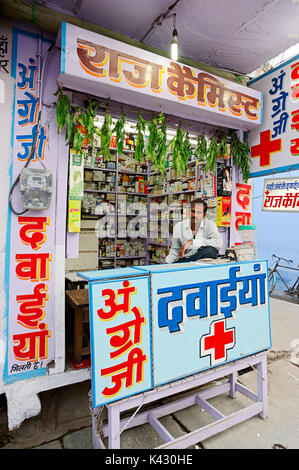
(245, 252)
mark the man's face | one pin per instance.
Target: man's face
(197, 215)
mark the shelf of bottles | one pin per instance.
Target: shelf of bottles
(113, 187)
(110, 189)
(176, 192)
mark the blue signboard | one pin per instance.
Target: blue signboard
(160, 323)
(120, 325)
(207, 316)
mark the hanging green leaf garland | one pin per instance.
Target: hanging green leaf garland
(64, 115)
(140, 128)
(241, 155)
(186, 151)
(119, 129)
(153, 139)
(222, 147)
(201, 150)
(80, 127)
(162, 146)
(212, 154)
(180, 150)
(89, 122)
(176, 144)
(85, 128)
(106, 133)
(78, 135)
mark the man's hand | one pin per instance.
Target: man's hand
(184, 248)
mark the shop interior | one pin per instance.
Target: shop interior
(130, 205)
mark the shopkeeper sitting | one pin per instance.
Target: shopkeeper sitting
(195, 238)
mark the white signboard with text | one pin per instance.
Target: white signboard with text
(105, 67)
(281, 194)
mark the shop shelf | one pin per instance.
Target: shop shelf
(174, 193)
(131, 257)
(133, 194)
(137, 173)
(164, 244)
(191, 163)
(98, 191)
(93, 168)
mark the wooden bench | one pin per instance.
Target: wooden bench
(73, 281)
(78, 300)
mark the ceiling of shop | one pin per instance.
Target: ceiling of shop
(239, 35)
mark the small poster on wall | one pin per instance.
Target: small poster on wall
(74, 216)
(76, 176)
(224, 180)
(223, 211)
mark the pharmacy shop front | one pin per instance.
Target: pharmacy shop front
(154, 135)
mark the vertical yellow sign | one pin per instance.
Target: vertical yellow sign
(74, 216)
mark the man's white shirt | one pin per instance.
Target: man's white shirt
(207, 235)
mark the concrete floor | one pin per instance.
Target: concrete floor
(65, 419)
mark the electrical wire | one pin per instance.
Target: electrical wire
(158, 21)
(32, 152)
(133, 415)
(25, 166)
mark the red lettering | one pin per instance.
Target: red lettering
(294, 147)
(295, 71)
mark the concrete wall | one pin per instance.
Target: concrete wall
(6, 100)
(22, 395)
(22, 392)
(277, 232)
(88, 249)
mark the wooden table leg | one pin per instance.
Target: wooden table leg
(78, 335)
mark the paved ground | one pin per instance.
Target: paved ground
(65, 421)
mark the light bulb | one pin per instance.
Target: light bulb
(174, 50)
(174, 46)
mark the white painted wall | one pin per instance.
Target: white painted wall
(23, 395)
(6, 100)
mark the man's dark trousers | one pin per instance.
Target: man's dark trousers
(204, 252)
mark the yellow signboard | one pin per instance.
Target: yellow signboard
(74, 216)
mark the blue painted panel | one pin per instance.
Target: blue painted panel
(162, 268)
(199, 317)
(19, 53)
(63, 46)
(277, 232)
(121, 356)
(108, 274)
(204, 319)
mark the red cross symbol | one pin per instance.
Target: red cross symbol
(265, 148)
(218, 342)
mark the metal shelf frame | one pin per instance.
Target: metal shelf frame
(149, 197)
(116, 424)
